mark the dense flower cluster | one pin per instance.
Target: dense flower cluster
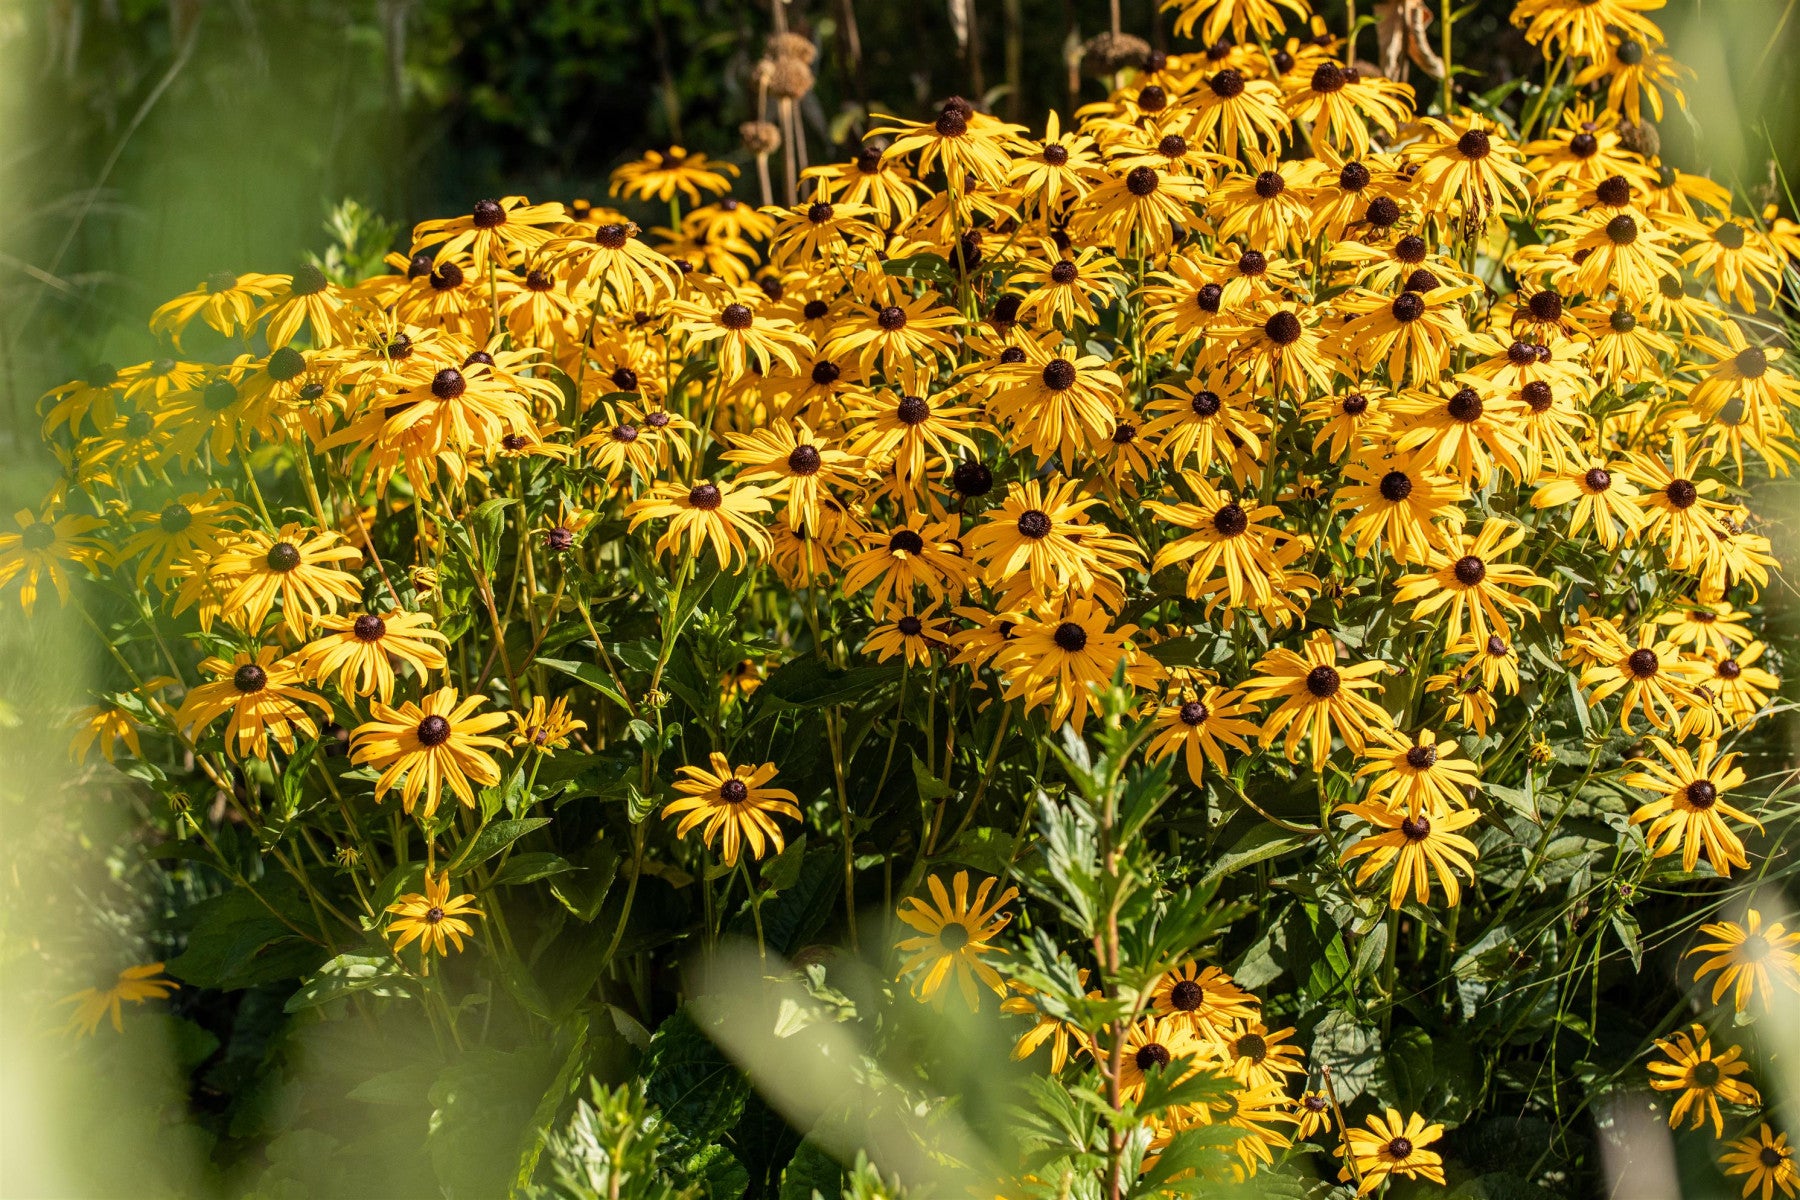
(1201, 394)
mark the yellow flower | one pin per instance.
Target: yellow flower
(1468, 579)
(1393, 1145)
(1318, 698)
(1417, 845)
(955, 936)
(136, 984)
(294, 565)
(360, 648)
(721, 514)
(495, 232)
(434, 918)
(546, 727)
(1256, 1056)
(1060, 654)
(1196, 727)
(1702, 1077)
(1208, 998)
(44, 547)
(1690, 810)
(735, 804)
(260, 692)
(1419, 774)
(1766, 1161)
(1746, 957)
(660, 174)
(424, 746)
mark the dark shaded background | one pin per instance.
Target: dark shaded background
(148, 143)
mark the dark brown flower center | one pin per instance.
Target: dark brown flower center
(1408, 307)
(1730, 669)
(1705, 1074)
(175, 518)
(1465, 405)
(1384, 212)
(1194, 713)
(1642, 663)
(1751, 362)
(448, 384)
(1056, 154)
(912, 410)
(1070, 637)
(1142, 181)
(1614, 192)
(1064, 272)
(953, 936)
(1187, 995)
(909, 626)
(734, 791)
(1323, 682)
(285, 364)
(1416, 829)
(488, 214)
(1172, 146)
(1059, 374)
(1251, 1046)
(625, 434)
(1207, 298)
(1730, 235)
(1621, 321)
(1034, 524)
(1395, 486)
(1469, 570)
(1769, 1156)
(1474, 144)
(804, 460)
(1356, 405)
(972, 477)
(433, 731)
(1537, 396)
(705, 496)
(1231, 519)
(1622, 230)
(906, 541)
(1598, 479)
(1152, 1056)
(612, 236)
(309, 281)
(1270, 184)
(1400, 1147)
(1702, 794)
(736, 316)
(1327, 78)
(1421, 757)
(282, 557)
(249, 678)
(369, 628)
(1354, 177)
(892, 318)
(1283, 328)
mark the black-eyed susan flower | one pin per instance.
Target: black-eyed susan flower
(1392, 1145)
(426, 745)
(224, 300)
(740, 335)
(1765, 1160)
(723, 514)
(1748, 958)
(134, 985)
(921, 555)
(1061, 1036)
(1257, 1056)
(1466, 165)
(1703, 1078)
(190, 525)
(494, 231)
(1418, 846)
(1690, 813)
(1652, 675)
(1189, 419)
(1140, 211)
(1059, 655)
(956, 934)
(1421, 774)
(1044, 532)
(1153, 1045)
(546, 726)
(1261, 18)
(1227, 540)
(434, 919)
(797, 464)
(1209, 999)
(261, 693)
(1465, 429)
(1395, 502)
(1468, 579)
(734, 806)
(913, 636)
(294, 565)
(306, 299)
(1056, 405)
(44, 546)
(1318, 698)
(360, 649)
(662, 174)
(1200, 727)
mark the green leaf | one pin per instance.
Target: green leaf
(1260, 843)
(528, 868)
(346, 975)
(698, 1089)
(931, 788)
(589, 674)
(811, 682)
(783, 871)
(237, 942)
(568, 1077)
(492, 840)
(934, 267)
